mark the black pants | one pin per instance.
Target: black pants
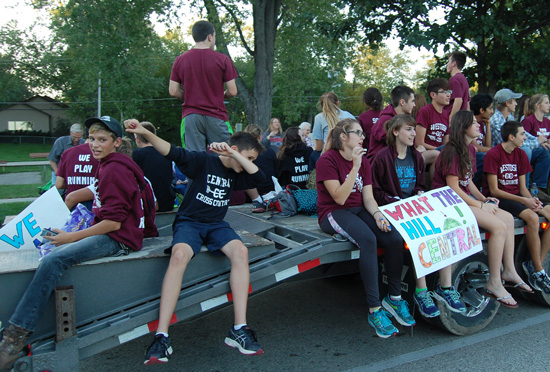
(360, 228)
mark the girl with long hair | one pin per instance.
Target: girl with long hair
(273, 136)
(455, 167)
(346, 206)
(398, 173)
(373, 100)
(536, 122)
(327, 119)
(293, 157)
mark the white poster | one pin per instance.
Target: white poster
(23, 232)
(438, 227)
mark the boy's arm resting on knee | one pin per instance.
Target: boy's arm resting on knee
(101, 228)
(133, 126)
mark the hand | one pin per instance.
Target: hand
(133, 126)
(221, 148)
(382, 223)
(491, 208)
(546, 145)
(61, 238)
(490, 198)
(273, 133)
(357, 156)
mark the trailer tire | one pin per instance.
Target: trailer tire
(469, 276)
(522, 255)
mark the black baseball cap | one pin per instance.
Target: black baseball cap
(112, 124)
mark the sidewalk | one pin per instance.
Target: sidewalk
(17, 200)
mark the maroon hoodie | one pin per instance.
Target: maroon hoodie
(378, 133)
(386, 187)
(119, 198)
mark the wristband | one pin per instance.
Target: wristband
(377, 212)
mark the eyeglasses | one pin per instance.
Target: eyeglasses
(445, 92)
(359, 132)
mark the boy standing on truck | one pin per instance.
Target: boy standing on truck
(200, 221)
(117, 229)
(505, 168)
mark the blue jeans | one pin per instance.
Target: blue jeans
(478, 176)
(49, 271)
(540, 160)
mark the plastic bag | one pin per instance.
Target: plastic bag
(80, 218)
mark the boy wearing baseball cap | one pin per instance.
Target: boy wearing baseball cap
(117, 229)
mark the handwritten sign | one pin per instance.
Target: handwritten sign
(438, 226)
(23, 232)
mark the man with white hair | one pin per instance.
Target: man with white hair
(305, 130)
(63, 143)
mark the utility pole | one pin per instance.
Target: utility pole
(99, 95)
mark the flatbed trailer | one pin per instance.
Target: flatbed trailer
(106, 302)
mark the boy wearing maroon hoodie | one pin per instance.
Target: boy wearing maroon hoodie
(117, 229)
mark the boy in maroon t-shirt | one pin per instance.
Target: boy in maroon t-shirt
(460, 96)
(198, 78)
(432, 129)
(505, 168)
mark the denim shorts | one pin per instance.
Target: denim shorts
(214, 235)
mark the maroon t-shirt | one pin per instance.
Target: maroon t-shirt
(78, 167)
(436, 124)
(367, 120)
(202, 73)
(459, 85)
(507, 167)
(481, 133)
(537, 128)
(463, 182)
(332, 166)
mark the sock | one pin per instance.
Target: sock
(541, 273)
(420, 290)
(446, 288)
(258, 199)
(236, 327)
(373, 310)
(395, 298)
(161, 333)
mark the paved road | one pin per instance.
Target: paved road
(321, 325)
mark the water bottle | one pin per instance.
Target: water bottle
(534, 190)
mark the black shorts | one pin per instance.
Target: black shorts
(514, 207)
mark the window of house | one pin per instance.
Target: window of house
(20, 125)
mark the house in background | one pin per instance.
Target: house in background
(37, 113)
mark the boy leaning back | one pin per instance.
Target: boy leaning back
(117, 229)
(200, 221)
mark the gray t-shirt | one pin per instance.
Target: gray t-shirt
(406, 173)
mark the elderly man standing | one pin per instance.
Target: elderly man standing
(63, 143)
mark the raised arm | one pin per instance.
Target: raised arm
(133, 126)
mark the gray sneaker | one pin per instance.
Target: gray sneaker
(531, 275)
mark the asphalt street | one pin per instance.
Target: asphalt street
(321, 325)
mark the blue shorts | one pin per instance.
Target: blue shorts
(213, 235)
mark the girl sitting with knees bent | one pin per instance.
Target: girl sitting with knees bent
(346, 206)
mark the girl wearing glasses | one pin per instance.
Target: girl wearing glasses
(398, 173)
(454, 168)
(346, 206)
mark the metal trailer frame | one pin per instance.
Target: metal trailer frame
(109, 315)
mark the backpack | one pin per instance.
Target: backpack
(284, 204)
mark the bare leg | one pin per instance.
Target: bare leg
(239, 279)
(171, 286)
(445, 276)
(252, 193)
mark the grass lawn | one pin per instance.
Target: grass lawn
(19, 191)
(11, 209)
(20, 152)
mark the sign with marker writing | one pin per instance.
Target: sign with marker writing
(23, 232)
(438, 226)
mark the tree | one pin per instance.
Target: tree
(506, 39)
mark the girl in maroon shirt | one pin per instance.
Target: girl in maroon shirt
(455, 166)
(346, 206)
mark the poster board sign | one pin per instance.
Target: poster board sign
(23, 232)
(438, 227)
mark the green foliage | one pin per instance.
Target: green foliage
(20, 152)
(13, 87)
(11, 209)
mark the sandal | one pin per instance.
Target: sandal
(490, 294)
(518, 286)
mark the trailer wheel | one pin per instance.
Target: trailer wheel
(469, 277)
(522, 254)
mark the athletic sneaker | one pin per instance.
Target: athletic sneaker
(245, 340)
(451, 298)
(159, 351)
(544, 282)
(381, 323)
(426, 304)
(400, 310)
(258, 207)
(531, 275)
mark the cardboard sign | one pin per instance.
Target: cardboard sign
(438, 226)
(23, 232)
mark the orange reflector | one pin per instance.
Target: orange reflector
(406, 246)
(544, 225)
